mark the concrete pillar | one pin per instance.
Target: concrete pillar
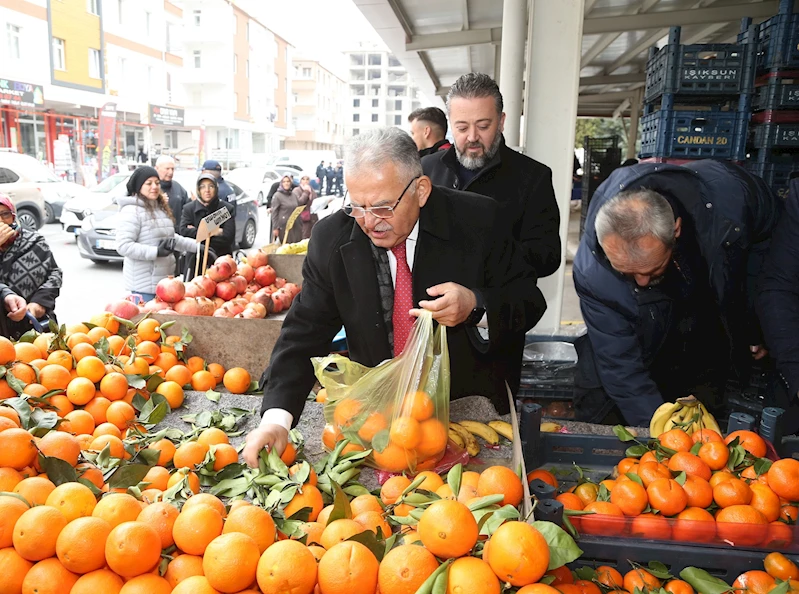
(635, 115)
(555, 30)
(511, 66)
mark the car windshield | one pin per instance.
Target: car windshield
(110, 183)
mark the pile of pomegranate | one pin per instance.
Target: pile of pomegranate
(227, 290)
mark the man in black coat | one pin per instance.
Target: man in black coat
(178, 196)
(330, 177)
(480, 162)
(207, 203)
(320, 175)
(665, 273)
(429, 130)
(401, 226)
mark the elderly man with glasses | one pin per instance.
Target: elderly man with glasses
(401, 245)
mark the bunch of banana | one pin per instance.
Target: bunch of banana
(464, 438)
(301, 247)
(688, 414)
(504, 428)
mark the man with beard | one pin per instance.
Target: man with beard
(666, 273)
(480, 162)
(178, 197)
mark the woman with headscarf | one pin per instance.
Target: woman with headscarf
(146, 235)
(305, 195)
(28, 270)
(284, 203)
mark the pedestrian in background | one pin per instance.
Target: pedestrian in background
(339, 179)
(177, 194)
(305, 195)
(429, 130)
(330, 176)
(146, 236)
(320, 175)
(284, 203)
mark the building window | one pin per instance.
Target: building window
(375, 102)
(59, 54)
(356, 102)
(94, 63)
(356, 131)
(197, 59)
(374, 117)
(91, 7)
(235, 63)
(356, 117)
(306, 73)
(375, 59)
(397, 120)
(374, 90)
(373, 75)
(393, 62)
(13, 41)
(119, 10)
(398, 105)
(356, 60)
(147, 23)
(197, 17)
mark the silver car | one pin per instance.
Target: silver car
(23, 184)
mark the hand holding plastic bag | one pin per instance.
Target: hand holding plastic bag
(399, 409)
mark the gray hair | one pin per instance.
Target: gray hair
(374, 148)
(633, 215)
(475, 86)
(164, 160)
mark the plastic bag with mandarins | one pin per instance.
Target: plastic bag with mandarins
(399, 409)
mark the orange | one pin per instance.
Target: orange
(373, 424)
(132, 548)
(538, 589)
(640, 578)
(58, 444)
(766, 501)
(16, 448)
(418, 405)
(165, 361)
(192, 479)
(35, 390)
(48, 577)
(609, 577)
(183, 567)
(519, 554)
(348, 567)
(90, 473)
(434, 438)
(783, 478)
(253, 521)
(180, 374)
(470, 574)
(78, 422)
(95, 334)
(500, 480)
(586, 587)
(205, 499)
(749, 476)
(102, 580)
(80, 391)
(339, 531)
(217, 371)
(36, 532)
(570, 501)
(720, 476)
(148, 351)
(312, 532)
(212, 436)
(677, 440)
(146, 584)
(62, 358)
(371, 520)
(431, 482)
(167, 449)
(190, 454)
(732, 492)
(7, 424)
(667, 496)
(587, 492)
(237, 380)
(117, 508)
(699, 492)
(393, 488)
(11, 509)
(118, 346)
(225, 455)
(650, 526)
(330, 436)
(24, 373)
(114, 386)
(149, 329)
(34, 489)
(750, 441)
(287, 566)
(7, 351)
(137, 366)
(202, 381)
(742, 525)
(120, 414)
(311, 497)
(543, 475)
(83, 350)
(73, 500)
(62, 405)
(78, 338)
(405, 432)
(196, 527)
(106, 320)
(780, 567)
(116, 448)
(679, 587)
(364, 503)
(715, 454)
(230, 562)
(54, 377)
(9, 479)
(630, 497)
(290, 453)
(195, 584)
(448, 529)
(91, 368)
(346, 411)
(608, 519)
(9, 413)
(13, 568)
(689, 464)
(404, 569)
(81, 545)
(26, 352)
(161, 516)
(754, 582)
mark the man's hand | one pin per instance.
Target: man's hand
(758, 351)
(16, 307)
(453, 306)
(6, 233)
(36, 310)
(266, 436)
(276, 233)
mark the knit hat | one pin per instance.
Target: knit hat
(137, 179)
(6, 201)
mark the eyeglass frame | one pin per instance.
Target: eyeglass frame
(370, 209)
(5, 216)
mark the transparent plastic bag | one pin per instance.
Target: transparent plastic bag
(399, 409)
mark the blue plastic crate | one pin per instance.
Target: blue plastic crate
(695, 134)
(776, 175)
(778, 42)
(777, 94)
(775, 135)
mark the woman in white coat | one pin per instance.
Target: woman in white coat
(146, 235)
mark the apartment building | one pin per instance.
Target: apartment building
(381, 92)
(319, 95)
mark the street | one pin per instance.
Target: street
(89, 287)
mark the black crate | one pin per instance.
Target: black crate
(775, 135)
(778, 42)
(699, 71)
(777, 93)
(776, 175)
(601, 157)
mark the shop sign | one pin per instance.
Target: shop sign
(166, 116)
(20, 94)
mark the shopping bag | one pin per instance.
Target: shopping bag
(399, 409)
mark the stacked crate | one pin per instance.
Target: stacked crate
(697, 100)
(774, 128)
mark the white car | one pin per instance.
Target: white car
(95, 199)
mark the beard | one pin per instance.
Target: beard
(475, 163)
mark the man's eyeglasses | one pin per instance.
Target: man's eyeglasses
(379, 212)
(7, 216)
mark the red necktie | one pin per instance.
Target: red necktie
(403, 299)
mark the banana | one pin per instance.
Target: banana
(661, 416)
(503, 428)
(549, 427)
(456, 438)
(472, 447)
(708, 420)
(481, 430)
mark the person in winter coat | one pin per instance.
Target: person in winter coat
(146, 235)
(330, 176)
(28, 270)
(665, 273)
(320, 174)
(284, 203)
(429, 130)
(15, 309)
(339, 179)
(177, 195)
(480, 162)
(305, 195)
(207, 203)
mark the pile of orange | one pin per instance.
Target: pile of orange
(691, 494)
(407, 437)
(778, 568)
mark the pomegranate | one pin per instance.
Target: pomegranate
(250, 314)
(258, 308)
(265, 275)
(167, 310)
(194, 290)
(155, 305)
(226, 290)
(253, 288)
(277, 303)
(124, 309)
(280, 282)
(284, 296)
(209, 286)
(223, 312)
(188, 307)
(170, 289)
(292, 289)
(256, 259)
(240, 301)
(207, 306)
(247, 271)
(221, 270)
(218, 302)
(263, 297)
(239, 282)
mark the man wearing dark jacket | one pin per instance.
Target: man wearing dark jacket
(207, 203)
(406, 245)
(429, 130)
(665, 273)
(320, 175)
(226, 193)
(178, 197)
(481, 163)
(330, 179)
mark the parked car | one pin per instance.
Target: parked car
(254, 180)
(31, 182)
(95, 199)
(97, 236)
